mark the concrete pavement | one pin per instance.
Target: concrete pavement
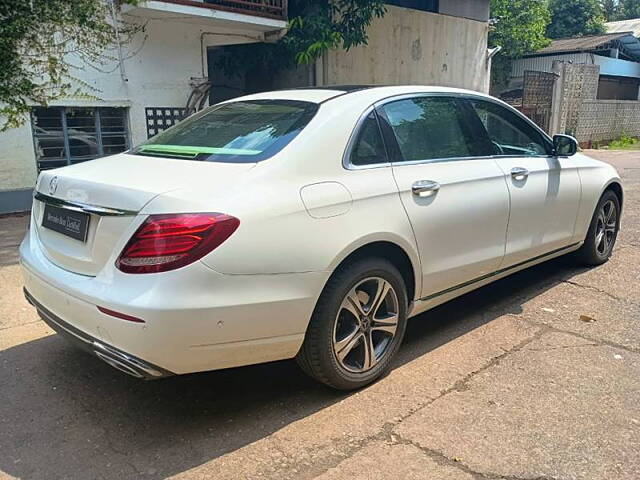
(534, 377)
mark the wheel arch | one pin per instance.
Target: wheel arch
(389, 250)
(616, 187)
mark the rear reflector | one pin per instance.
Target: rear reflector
(167, 242)
(122, 316)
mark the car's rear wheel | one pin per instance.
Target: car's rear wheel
(603, 231)
(357, 325)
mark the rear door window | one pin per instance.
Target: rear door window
(429, 128)
(237, 132)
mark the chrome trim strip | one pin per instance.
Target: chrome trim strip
(497, 272)
(111, 355)
(83, 207)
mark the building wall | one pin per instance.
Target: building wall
(17, 161)
(409, 46)
(605, 120)
(578, 83)
(617, 67)
(585, 117)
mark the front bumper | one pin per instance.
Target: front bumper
(115, 357)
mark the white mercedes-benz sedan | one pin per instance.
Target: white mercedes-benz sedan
(306, 223)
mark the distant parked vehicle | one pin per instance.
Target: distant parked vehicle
(305, 223)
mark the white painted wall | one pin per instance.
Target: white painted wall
(410, 46)
(17, 160)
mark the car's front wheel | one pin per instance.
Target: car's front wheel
(603, 231)
(357, 325)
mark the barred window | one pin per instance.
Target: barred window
(67, 135)
(161, 118)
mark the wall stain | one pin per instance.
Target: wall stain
(416, 50)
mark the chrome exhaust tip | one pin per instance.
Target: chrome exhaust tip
(125, 363)
(118, 365)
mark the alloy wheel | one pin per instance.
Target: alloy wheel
(365, 325)
(606, 225)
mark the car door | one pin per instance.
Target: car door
(544, 189)
(453, 192)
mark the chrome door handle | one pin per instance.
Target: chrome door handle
(519, 173)
(424, 188)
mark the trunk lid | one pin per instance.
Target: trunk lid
(113, 190)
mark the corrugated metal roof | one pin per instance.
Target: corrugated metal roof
(632, 25)
(581, 44)
(545, 63)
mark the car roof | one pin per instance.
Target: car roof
(321, 94)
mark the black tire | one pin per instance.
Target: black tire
(594, 252)
(318, 357)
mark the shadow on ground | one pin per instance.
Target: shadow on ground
(64, 414)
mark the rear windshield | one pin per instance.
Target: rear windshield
(237, 132)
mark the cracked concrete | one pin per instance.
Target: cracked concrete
(561, 415)
(509, 382)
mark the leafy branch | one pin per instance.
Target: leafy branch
(40, 40)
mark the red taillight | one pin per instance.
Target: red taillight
(167, 242)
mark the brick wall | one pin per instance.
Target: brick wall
(579, 84)
(589, 119)
(603, 120)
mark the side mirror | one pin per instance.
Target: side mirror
(564, 145)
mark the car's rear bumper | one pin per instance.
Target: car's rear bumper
(195, 319)
(115, 357)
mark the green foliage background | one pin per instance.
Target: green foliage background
(621, 9)
(570, 18)
(520, 28)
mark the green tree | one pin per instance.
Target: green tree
(610, 9)
(315, 26)
(572, 18)
(519, 27)
(38, 39)
(628, 9)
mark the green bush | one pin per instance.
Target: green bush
(625, 141)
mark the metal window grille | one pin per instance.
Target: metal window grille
(66, 135)
(161, 118)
